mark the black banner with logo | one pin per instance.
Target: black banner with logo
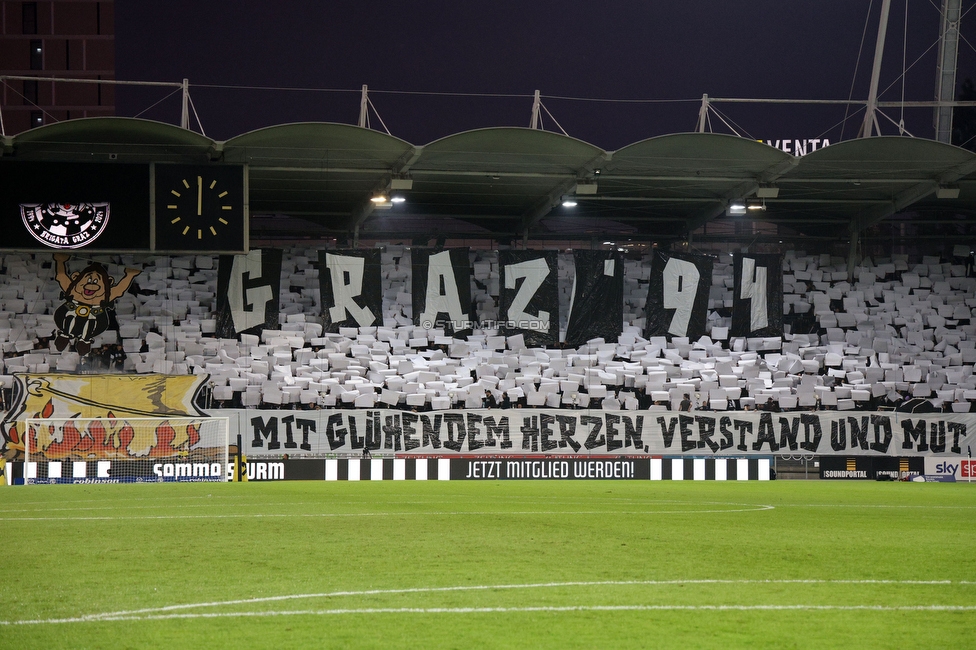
(529, 296)
(442, 291)
(433, 468)
(870, 468)
(351, 288)
(550, 469)
(677, 298)
(286, 469)
(597, 307)
(248, 292)
(757, 297)
(63, 206)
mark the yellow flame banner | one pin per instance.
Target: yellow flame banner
(114, 397)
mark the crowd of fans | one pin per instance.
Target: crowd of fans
(901, 333)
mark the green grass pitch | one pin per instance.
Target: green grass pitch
(561, 564)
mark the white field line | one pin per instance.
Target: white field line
(745, 508)
(222, 502)
(225, 502)
(871, 505)
(505, 610)
(240, 500)
(244, 504)
(246, 515)
(567, 608)
(156, 613)
(155, 504)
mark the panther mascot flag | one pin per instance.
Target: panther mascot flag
(89, 295)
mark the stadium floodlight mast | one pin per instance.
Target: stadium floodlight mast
(945, 83)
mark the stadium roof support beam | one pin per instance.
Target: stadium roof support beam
(702, 115)
(909, 196)
(361, 215)
(536, 103)
(408, 160)
(741, 191)
(544, 207)
(649, 199)
(852, 259)
(870, 123)
(185, 105)
(365, 209)
(945, 86)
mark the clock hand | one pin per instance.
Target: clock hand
(199, 195)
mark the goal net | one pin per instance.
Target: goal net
(126, 450)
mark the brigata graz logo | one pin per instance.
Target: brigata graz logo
(65, 225)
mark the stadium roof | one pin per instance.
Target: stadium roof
(315, 180)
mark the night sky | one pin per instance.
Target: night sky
(435, 68)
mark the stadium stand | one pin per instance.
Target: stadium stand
(899, 330)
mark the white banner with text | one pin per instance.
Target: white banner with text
(522, 431)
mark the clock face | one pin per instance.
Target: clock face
(197, 206)
(200, 208)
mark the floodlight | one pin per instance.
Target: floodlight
(736, 209)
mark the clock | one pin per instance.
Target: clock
(187, 211)
(200, 208)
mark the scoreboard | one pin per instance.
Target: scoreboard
(120, 207)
